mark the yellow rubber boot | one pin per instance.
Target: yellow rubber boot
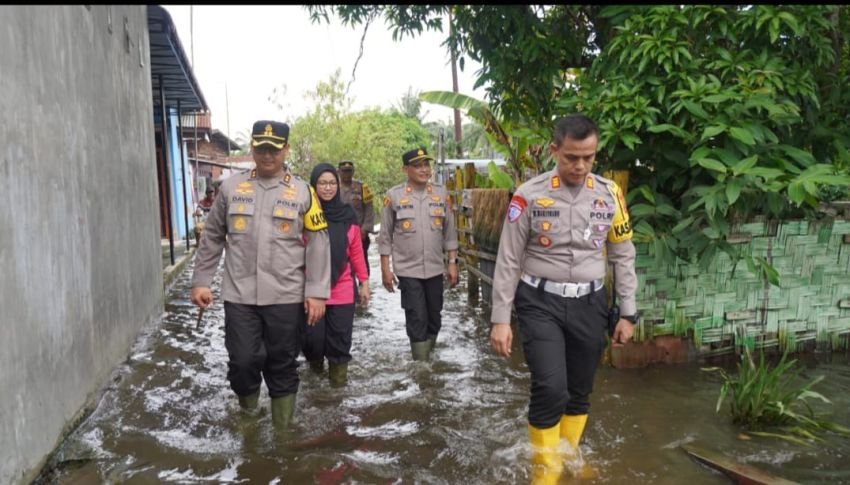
(545, 456)
(572, 427)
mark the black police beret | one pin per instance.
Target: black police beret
(415, 156)
(272, 133)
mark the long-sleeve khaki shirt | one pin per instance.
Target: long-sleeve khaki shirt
(417, 227)
(550, 234)
(359, 196)
(275, 239)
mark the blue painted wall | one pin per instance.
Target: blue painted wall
(179, 179)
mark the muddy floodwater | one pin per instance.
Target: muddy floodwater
(170, 417)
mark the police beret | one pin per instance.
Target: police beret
(272, 133)
(415, 156)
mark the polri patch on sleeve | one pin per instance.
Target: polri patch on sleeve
(516, 208)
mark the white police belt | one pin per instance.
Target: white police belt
(566, 290)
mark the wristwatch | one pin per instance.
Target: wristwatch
(453, 261)
(633, 319)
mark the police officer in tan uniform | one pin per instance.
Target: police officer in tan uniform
(417, 227)
(356, 193)
(277, 271)
(551, 266)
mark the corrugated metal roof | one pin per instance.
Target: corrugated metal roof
(169, 63)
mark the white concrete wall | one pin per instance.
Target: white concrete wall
(79, 221)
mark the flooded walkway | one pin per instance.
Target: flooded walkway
(461, 418)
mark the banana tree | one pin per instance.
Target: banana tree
(523, 147)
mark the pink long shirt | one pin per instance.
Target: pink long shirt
(343, 292)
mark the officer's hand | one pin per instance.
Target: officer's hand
(315, 310)
(501, 337)
(202, 296)
(364, 294)
(389, 280)
(623, 333)
(452, 274)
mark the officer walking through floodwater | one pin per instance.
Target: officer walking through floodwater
(417, 228)
(551, 266)
(277, 271)
(356, 193)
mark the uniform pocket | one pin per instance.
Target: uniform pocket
(405, 221)
(437, 216)
(286, 223)
(240, 218)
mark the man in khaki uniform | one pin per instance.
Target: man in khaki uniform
(356, 193)
(417, 227)
(551, 266)
(277, 270)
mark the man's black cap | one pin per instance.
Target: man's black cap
(415, 156)
(272, 133)
(346, 165)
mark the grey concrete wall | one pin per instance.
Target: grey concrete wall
(79, 235)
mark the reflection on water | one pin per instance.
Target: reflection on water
(460, 418)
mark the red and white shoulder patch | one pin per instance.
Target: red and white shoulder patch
(516, 208)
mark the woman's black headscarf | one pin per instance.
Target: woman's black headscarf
(340, 217)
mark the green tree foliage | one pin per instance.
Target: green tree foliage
(542, 43)
(374, 139)
(474, 143)
(410, 105)
(720, 113)
(522, 147)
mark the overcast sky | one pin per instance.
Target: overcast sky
(254, 49)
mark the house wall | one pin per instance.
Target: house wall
(79, 249)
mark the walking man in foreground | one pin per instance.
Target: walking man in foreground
(277, 271)
(417, 229)
(551, 266)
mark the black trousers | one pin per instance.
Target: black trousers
(331, 336)
(422, 300)
(366, 242)
(563, 340)
(263, 339)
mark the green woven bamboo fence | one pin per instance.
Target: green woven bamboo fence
(721, 311)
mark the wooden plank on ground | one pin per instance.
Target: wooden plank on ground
(741, 473)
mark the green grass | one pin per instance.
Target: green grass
(773, 401)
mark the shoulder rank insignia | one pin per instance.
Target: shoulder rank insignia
(555, 182)
(589, 182)
(245, 188)
(386, 201)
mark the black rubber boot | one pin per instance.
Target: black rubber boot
(283, 408)
(338, 374)
(317, 366)
(420, 350)
(249, 402)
